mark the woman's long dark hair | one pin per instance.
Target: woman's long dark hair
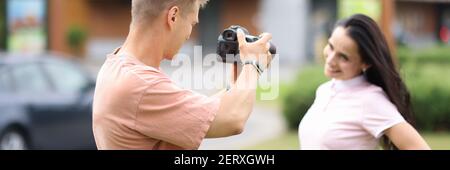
(374, 50)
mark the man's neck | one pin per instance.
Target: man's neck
(146, 46)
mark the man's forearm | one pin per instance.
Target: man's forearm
(243, 93)
(219, 94)
(236, 105)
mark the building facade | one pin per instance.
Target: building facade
(92, 28)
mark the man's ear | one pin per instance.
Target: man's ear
(173, 16)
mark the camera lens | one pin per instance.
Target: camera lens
(229, 35)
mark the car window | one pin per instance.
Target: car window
(29, 78)
(66, 77)
(5, 80)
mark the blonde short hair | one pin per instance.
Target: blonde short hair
(145, 11)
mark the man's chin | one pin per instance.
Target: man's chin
(170, 57)
(173, 55)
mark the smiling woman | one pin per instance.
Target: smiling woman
(342, 58)
(366, 101)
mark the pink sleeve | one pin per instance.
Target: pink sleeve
(171, 114)
(379, 114)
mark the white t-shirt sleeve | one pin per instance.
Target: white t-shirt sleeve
(379, 114)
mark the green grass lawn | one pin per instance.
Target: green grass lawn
(438, 141)
(289, 141)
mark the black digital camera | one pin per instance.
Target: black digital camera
(228, 45)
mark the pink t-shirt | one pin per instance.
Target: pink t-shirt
(138, 107)
(347, 115)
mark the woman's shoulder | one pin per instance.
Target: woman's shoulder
(375, 96)
(371, 91)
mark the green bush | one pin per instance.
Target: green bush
(300, 95)
(76, 37)
(426, 72)
(429, 85)
(437, 55)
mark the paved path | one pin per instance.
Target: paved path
(265, 123)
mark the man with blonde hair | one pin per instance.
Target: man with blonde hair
(136, 106)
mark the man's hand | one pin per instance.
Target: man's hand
(236, 105)
(257, 51)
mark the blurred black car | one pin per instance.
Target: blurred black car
(45, 103)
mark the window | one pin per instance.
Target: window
(66, 77)
(26, 25)
(29, 79)
(5, 80)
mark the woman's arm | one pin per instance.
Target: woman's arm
(405, 137)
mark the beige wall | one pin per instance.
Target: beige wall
(99, 18)
(111, 18)
(418, 18)
(62, 15)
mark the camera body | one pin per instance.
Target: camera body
(228, 45)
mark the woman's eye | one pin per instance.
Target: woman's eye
(343, 57)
